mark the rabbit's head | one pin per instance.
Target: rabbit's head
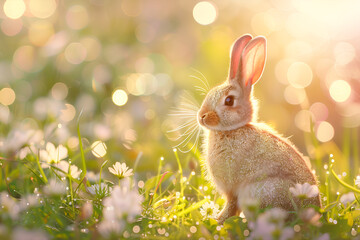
(229, 105)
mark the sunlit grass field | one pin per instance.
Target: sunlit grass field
(92, 142)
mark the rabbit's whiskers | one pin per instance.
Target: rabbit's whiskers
(188, 128)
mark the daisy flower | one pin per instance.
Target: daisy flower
(357, 181)
(304, 191)
(53, 154)
(121, 170)
(66, 167)
(309, 215)
(347, 198)
(209, 210)
(55, 188)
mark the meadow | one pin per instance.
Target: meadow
(94, 99)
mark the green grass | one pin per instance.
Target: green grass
(171, 199)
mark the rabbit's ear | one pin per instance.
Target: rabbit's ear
(253, 61)
(235, 54)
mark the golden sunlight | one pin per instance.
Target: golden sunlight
(340, 90)
(98, 149)
(14, 9)
(299, 75)
(325, 132)
(204, 13)
(119, 97)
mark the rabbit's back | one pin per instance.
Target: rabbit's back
(253, 153)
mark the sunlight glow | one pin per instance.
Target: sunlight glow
(325, 132)
(204, 13)
(294, 95)
(98, 149)
(14, 9)
(42, 9)
(119, 97)
(299, 75)
(7, 96)
(303, 119)
(340, 90)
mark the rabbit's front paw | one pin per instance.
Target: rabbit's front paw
(229, 210)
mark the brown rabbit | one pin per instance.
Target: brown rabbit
(247, 160)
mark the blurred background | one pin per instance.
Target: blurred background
(123, 65)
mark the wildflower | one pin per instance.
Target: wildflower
(121, 170)
(347, 198)
(26, 151)
(24, 234)
(310, 216)
(357, 181)
(67, 168)
(92, 177)
(270, 225)
(54, 188)
(304, 191)
(29, 201)
(108, 228)
(209, 210)
(52, 154)
(10, 205)
(102, 190)
(122, 203)
(18, 137)
(325, 236)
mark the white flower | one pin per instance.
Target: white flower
(29, 201)
(309, 215)
(66, 167)
(209, 210)
(357, 181)
(270, 224)
(55, 188)
(92, 177)
(304, 191)
(24, 234)
(52, 154)
(18, 137)
(10, 205)
(107, 228)
(121, 170)
(325, 236)
(102, 189)
(347, 198)
(26, 151)
(122, 203)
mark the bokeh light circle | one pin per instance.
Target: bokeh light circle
(41, 8)
(119, 97)
(98, 149)
(14, 9)
(204, 13)
(340, 91)
(7, 96)
(325, 132)
(299, 75)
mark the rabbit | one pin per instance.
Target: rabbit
(244, 158)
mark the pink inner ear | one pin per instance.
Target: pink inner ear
(236, 51)
(253, 60)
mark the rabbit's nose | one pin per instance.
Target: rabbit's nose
(203, 116)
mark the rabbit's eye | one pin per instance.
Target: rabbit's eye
(229, 100)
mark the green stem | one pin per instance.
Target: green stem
(81, 150)
(342, 182)
(40, 168)
(71, 193)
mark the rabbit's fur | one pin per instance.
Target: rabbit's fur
(248, 160)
